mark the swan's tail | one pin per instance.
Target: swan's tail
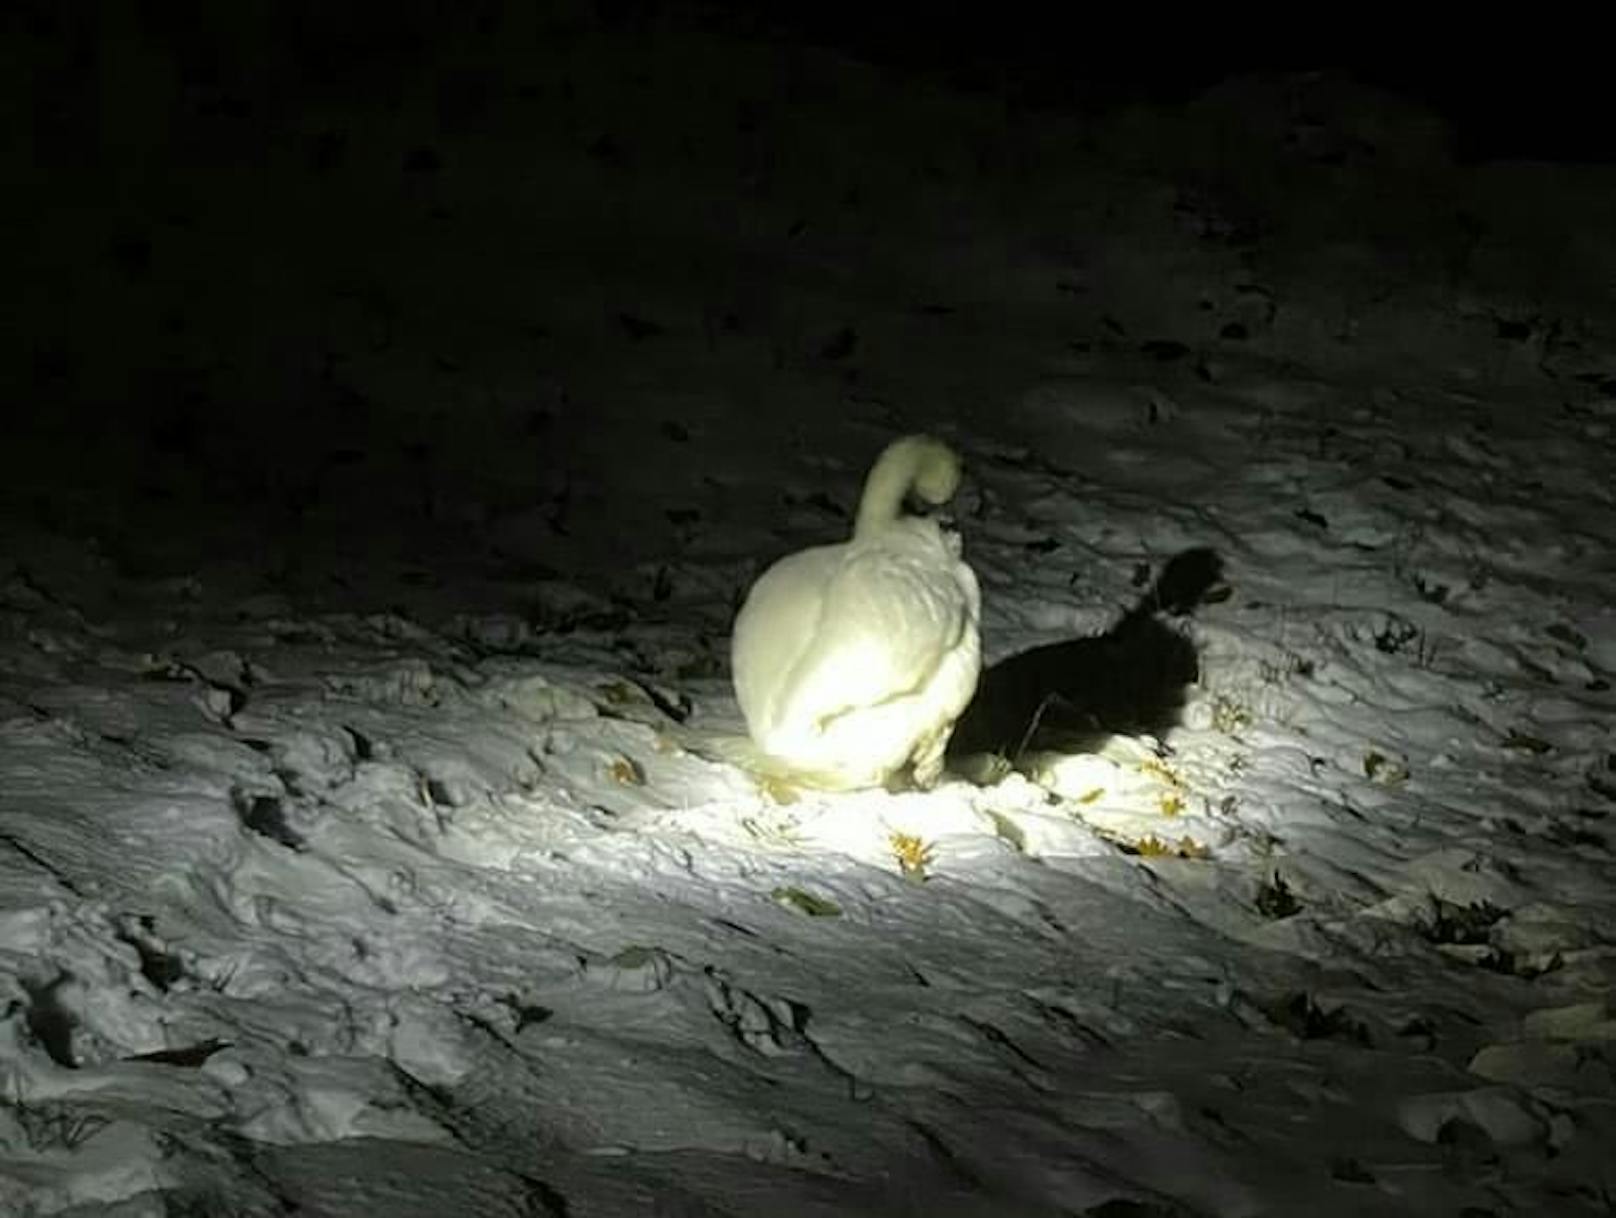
(740, 751)
(922, 463)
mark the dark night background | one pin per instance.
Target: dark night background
(223, 208)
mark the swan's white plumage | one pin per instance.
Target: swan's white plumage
(852, 661)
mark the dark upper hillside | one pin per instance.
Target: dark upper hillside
(1506, 96)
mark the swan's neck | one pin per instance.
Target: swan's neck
(894, 472)
(883, 499)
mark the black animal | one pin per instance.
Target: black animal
(1068, 697)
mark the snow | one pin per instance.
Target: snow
(362, 848)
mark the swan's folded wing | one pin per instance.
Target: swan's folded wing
(776, 625)
(890, 617)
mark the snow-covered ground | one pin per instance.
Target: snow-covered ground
(358, 849)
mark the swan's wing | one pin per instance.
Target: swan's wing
(776, 625)
(891, 614)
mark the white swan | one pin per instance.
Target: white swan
(852, 661)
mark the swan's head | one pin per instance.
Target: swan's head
(937, 473)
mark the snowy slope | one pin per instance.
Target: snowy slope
(358, 852)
